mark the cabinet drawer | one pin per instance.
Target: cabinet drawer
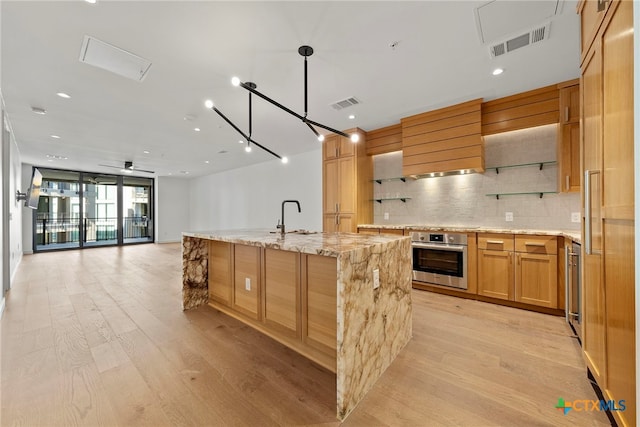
(495, 241)
(537, 244)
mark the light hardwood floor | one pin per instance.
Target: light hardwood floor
(98, 337)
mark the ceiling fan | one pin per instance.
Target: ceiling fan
(128, 167)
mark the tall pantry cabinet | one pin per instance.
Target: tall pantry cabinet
(347, 184)
(608, 200)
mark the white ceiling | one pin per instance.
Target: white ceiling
(196, 47)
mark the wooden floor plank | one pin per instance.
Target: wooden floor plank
(107, 343)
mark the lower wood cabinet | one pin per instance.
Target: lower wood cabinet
(220, 272)
(537, 271)
(495, 266)
(289, 296)
(319, 296)
(246, 283)
(522, 268)
(281, 291)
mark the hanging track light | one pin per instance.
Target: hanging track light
(304, 51)
(248, 138)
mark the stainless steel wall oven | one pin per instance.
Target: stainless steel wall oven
(440, 258)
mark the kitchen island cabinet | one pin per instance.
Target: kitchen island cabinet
(342, 300)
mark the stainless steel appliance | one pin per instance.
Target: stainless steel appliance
(573, 295)
(440, 258)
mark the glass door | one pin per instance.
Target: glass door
(57, 218)
(100, 209)
(137, 224)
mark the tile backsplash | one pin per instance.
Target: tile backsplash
(461, 200)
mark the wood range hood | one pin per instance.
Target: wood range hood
(443, 142)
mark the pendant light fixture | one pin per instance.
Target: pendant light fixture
(209, 104)
(304, 51)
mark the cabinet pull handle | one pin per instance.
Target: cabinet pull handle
(566, 180)
(518, 259)
(336, 211)
(510, 258)
(540, 245)
(566, 114)
(336, 219)
(587, 209)
(495, 242)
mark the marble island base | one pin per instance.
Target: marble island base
(313, 293)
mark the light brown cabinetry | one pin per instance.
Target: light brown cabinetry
(495, 266)
(287, 295)
(608, 201)
(347, 184)
(536, 278)
(220, 272)
(246, 284)
(282, 291)
(319, 303)
(569, 137)
(521, 268)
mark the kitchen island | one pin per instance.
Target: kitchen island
(342, 300)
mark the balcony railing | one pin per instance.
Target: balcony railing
(67, 230)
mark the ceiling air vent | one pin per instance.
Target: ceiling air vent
(348, 102)
(534, 36)
(111, 58)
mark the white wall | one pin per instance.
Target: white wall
(14, 208)
(172, 208)
(251, 197)
(461, 200)
(27, 214)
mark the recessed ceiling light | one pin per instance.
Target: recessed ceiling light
(55, 137)
(91, 1)
(196, 129)
(63, 95)
(206, 161)
(146, 151)
(169, 173)
(497, 71)
(56, 157)
(352, 116)
(189, 118)
(184, 172)
(39, 110)
(240, 142)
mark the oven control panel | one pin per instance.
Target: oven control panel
(439, 238)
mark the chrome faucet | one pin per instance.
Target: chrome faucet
(281, 224)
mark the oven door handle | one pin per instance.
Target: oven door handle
(452, 248)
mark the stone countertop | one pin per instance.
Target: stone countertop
(325, 244)
(571, 234)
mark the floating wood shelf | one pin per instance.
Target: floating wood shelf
(400, 178)
(404, 199)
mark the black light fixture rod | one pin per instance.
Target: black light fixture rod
(231, 123)
(253, 141)
(271, 101)
(320, 125)
(247, 137)
(250, 127)
(305, 87)
(312, 129)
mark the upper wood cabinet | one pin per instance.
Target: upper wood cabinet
(384, 140)
(443, 140)
(569, 137)
(524, 110)
(592, 13)
(347, 178)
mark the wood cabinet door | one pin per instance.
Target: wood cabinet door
(347, 185)
(347, 223)
(593, 302)
(319, 298)
(570, 104)
(570, 157)
(281, 291)
(330, 223)
(330, 147)
(495, 274)
(346, 147)
(330, 190)
(537, 279)
(246, 283)
(220, 264)
(618, 208)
